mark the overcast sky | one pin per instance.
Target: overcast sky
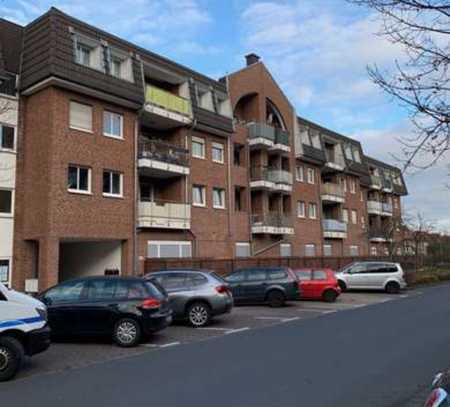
(317, 50)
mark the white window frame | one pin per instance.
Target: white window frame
(344, 183)
(287, 246)
(1, 137)
(221, 192)
(327, 246)
(312, 206)
(300, 173)
(79, 128)
(354, 217)
(301, 213)
(111, 194)
(11, 213)
(108, 115)
(202, 194)
(352, 186)
(345, 215)
(202, 142)
(243, 244)
(310, 245)
(160, 243)
(373, 251)
(353, 249)
(81, 44)
(311, 175)
(220, 147)
(81, 191)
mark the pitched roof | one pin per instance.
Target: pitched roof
(10, 45)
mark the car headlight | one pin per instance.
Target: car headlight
(42, 313)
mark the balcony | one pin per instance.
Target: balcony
(334, 229)
(378, 235)
(375, 182)
(271, 179)
(166, 110)
(281, 142)
(164, 215)
(334, 161)
(387, 186)
(386, 209)
(332, 193)
(162, 160)
(374, 208)
(262, 135)
(273, 223)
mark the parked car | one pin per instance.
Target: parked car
(318, 284)
(23, 330)
(371, 275)
(126, 308)
(270, 285)
(195, 295)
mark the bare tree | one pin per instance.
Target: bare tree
(420, 79)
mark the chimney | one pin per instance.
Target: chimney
(252, 59)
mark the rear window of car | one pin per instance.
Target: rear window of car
(196, 280)
(276, 274)
(155, 290)
(319, 275)
(256, 275)
(304, 275)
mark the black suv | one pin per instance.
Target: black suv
(271, 285)
(125, 307)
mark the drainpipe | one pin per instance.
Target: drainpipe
(136, 198)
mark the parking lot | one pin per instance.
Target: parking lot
(64, 356)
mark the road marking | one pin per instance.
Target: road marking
(278, 318)
(233, 331)
(281, 319)
(290, 319)
(167, 345)
(155, 345)
(321, 310)
(212, 328)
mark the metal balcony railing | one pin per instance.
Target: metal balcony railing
(167, 100)
(329, 188)
(387, 207)
(165, 152)
(261, 130)
(374, 206)
(334, 225)
(274, 175)
(378, 233)
(281, 137)
(375, 180)
(272, 219)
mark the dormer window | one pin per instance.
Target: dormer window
(116, 65)
(83, 54)
(357, 155)
(224, 106)
(205, 99)
(315, 140)
(120, 64)
(348, 152)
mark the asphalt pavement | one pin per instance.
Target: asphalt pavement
(380, 354)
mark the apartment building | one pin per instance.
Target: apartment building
(9, 68)
(124, 156)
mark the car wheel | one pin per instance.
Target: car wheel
(392, 287)
(198, 314)
(275, 298)
(127, 333)
(11, 357)
(329, 296)
(342, 285)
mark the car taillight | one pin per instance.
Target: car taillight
(151, 303)
(222, 289)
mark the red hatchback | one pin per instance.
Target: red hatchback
(318, 284)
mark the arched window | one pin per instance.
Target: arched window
(273, 116)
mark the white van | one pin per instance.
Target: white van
(372, 275)
(23, 330)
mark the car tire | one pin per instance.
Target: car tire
(342, 285)
(329, 296)
(392, 287)
(11, 357)
(127, 333)
(276, 299)
(198, 314)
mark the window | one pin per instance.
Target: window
(354, 217)
(198, 147)
(6, 205)
(310, 250)
(237, 276)
(168, 249)
(6, 137)
(68, 292)
(219, 198)
(312, 211)
(276, 274)
(242, 249)
(301, 209)
(112, 124)
(80, 116)
(373, 251)
(238, 149)
(4, 271)
(348, 152)
(357, 155)
(311, 175)
(344, 184)
(285, 250)
(299, 173)
(79, 179)
(315, 140)
(256, 275)
(217, 153)
(116, 67)
(224, 107)
(205, 99)
(345, 215)
(354, 251)
(304, 275)
(319, 275)
(327, 250)
(83, 54)
(363, 222)
(352, 186)
(239, 198)
(361, 196)
(112, 183)
(198, 195)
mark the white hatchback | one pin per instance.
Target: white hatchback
(372, 276)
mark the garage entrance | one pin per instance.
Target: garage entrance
(89, 258)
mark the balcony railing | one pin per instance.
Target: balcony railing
(281, 137)
(167, 100)
(261, 130)
(272, 219)
(375, 181)
(335, 158)
(387, 184)
(387, 207)
(164, 214)
(269, 174)
(374, 206)
(378, 233)
(329, 188)
(164, 152)
(333, 225)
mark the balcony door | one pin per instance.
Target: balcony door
(147, 192)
